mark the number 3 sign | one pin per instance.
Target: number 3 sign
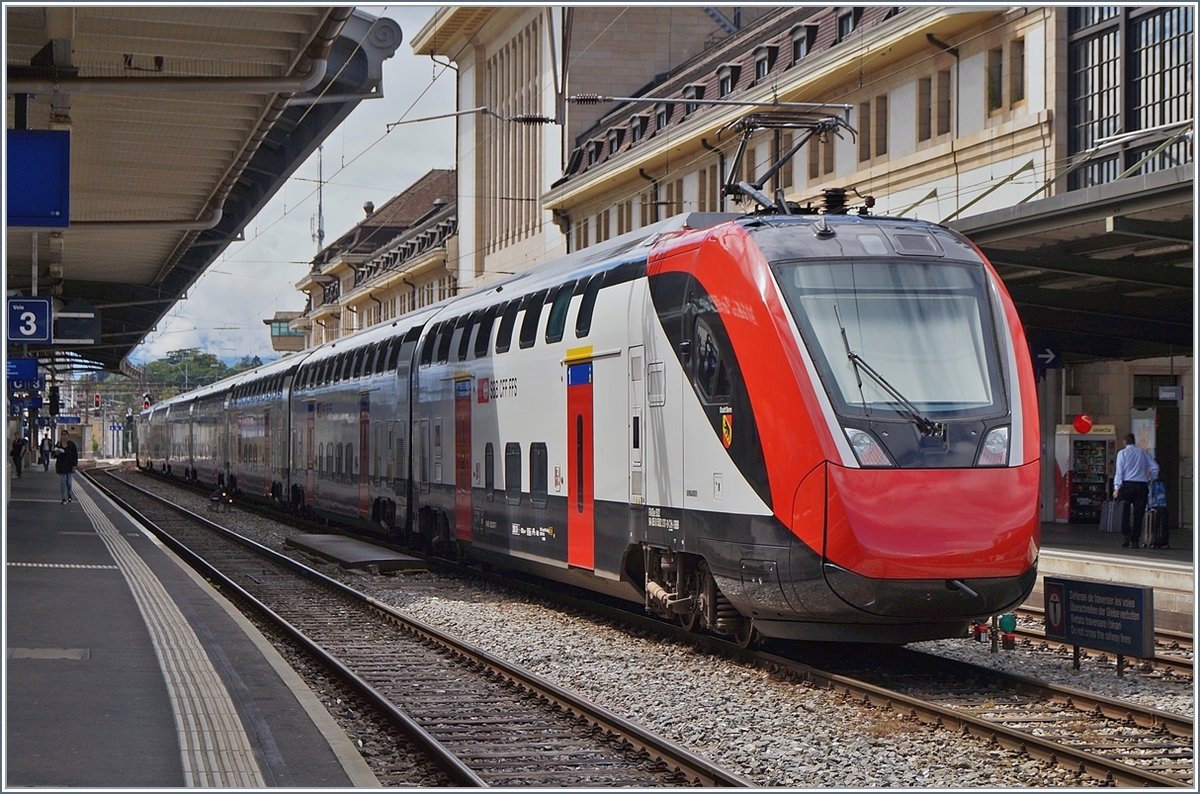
(28, 320)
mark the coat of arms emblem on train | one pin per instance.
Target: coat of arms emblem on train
(726, 427)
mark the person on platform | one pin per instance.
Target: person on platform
(17, 453)
(65, 460)
(44, 448)
(1135, 469)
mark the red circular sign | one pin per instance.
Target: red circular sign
(1083, 423)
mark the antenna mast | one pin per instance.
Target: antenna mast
(317, 224)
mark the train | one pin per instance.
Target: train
(798, 426)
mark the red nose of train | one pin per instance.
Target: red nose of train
(907, 543)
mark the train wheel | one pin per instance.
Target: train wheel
(745, 635)
(692, 620)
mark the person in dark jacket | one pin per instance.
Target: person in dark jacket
(65, 460)
(17, 453)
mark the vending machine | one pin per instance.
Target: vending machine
(1083, 468)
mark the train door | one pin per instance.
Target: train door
(361, 469)
(581, 475)
(462, 458)
(637, 392)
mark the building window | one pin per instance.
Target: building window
(727, 77)
(864, 131)
(881, 125)
(1129, 69)
(602, 229)
(847, 21)
(662, 115)
(820, 157)
(802, 41)
(594, 150)
(764, 61)
(690, 92)
(614, 141)
(637, 128)
(625, 217)
(995, 79)
(783, 177)
(942, 101)
(710, 189)
(1016, 71)
(924, 108)
(581, 234)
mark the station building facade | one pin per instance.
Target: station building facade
(958, 113)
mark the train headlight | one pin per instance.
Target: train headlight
(866, 448)
(995, 448)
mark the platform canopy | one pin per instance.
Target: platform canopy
(183, 121)
(1105, 272)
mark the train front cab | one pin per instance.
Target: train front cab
(903, 503)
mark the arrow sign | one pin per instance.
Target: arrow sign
(1045, 358)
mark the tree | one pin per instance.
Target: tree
(183, 370)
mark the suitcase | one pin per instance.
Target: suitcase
(1110, 514)
(1154, 529)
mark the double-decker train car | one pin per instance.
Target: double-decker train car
(812, 427)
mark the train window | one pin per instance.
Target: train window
(484, 335)
(507, 320)
(512, 473)
(398, 345)
(337, 461)
(427, 346)
(538, 474)
(712, 371)
(583, 322)
(558, 312)
(321, 459)
(533, 312)
(489, 471)
(366, 363)
(351, 461)
(464, 340)
(443, 344)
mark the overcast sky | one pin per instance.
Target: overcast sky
(362, 162)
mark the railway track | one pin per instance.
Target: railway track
(1110, 740)
(482, 721)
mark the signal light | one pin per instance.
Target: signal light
(146, 401)
(97, 398)
(54, 403)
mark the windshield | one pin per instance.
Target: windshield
(924, 328)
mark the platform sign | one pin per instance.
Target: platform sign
(28, 320)
(1115, 618)
(38, 176)
(69, 420)
(21, 369)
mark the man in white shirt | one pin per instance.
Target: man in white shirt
(1135, 469)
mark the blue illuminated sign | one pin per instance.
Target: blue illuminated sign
(38, 166)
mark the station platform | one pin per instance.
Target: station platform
(124, 669)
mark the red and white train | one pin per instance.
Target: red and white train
(812, 427)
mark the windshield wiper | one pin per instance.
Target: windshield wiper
(927, 426)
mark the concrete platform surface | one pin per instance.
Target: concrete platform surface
(124, 669)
